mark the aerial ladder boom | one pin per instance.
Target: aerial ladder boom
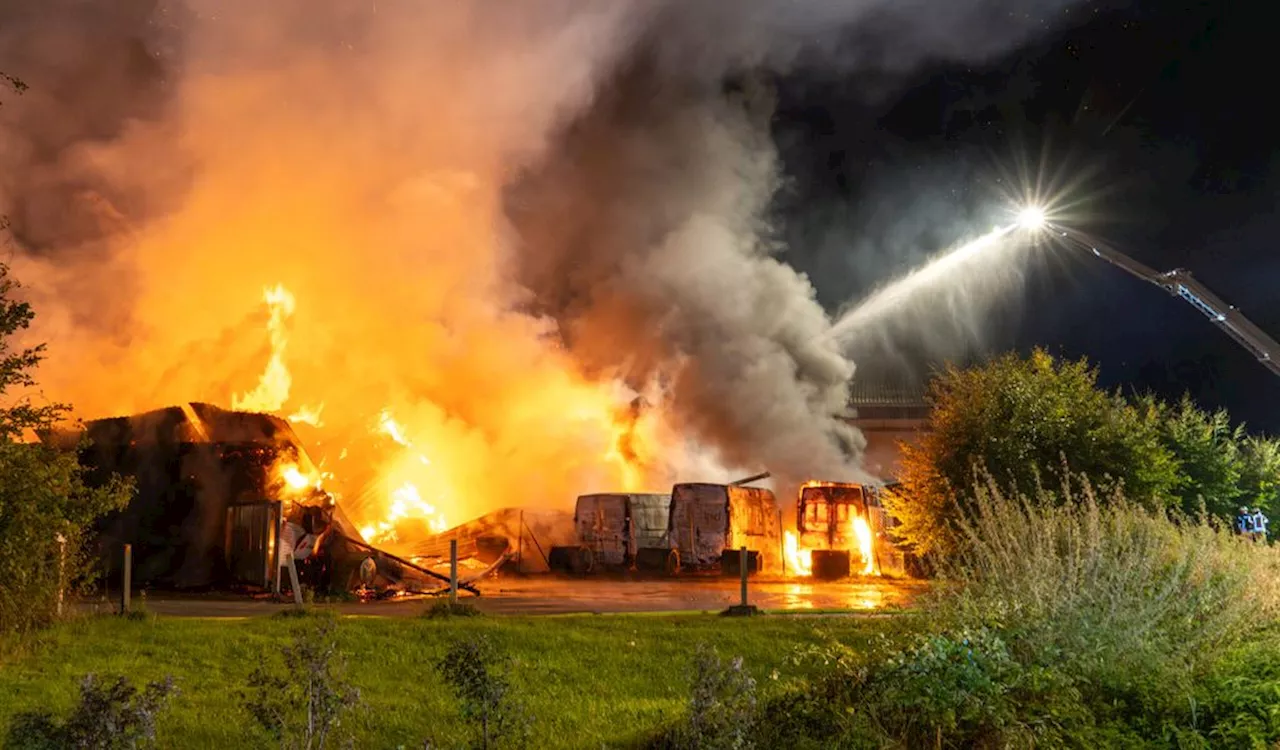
(1180, 283)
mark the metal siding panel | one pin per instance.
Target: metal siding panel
(601, 525)
(649, 516)
(699, 522)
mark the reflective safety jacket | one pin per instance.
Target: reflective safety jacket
(1259, 523)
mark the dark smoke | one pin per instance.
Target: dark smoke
(96, 73)
(638, 134)
(644, 228)
(643, 238)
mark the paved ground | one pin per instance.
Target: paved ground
(552, 595)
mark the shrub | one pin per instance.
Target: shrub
(303, 706)
(1238, 703)
(447, 608)
(479, 676)
(111, 715)
(722, 706)
(965, 688)
(46, 512)
(1109, 585)
(46, 508)
(1018, 418)
(1081, 624)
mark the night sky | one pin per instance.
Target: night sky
(1164, 112)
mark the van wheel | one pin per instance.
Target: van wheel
(583, 561)
(672, 564)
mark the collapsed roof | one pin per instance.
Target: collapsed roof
(191, 463)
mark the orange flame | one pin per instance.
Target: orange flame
(799, 561)
(387, 221)
(273, 386)
(406, 502)
(308, 415)
(866, 544)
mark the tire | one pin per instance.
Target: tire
(560, 559)
(650, 559)
(671, 566)
(582, 561)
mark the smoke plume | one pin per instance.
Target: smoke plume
(502, 224)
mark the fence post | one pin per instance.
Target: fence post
(453, 571)
(293, 579)
(127, 586)
(62, 569)
(742, 564)
(782, 544)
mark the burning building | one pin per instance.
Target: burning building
(222, 497)
(192, 464)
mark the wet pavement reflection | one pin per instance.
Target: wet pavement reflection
(545, 594)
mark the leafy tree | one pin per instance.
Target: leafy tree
(1260, 473)
(302, 700)
(1207, 449)
(46, 508)
(1029, 422)
(479, 675)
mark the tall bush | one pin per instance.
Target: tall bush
(1065, 621)
(1114, 588)
(46, 509)
(1025, 421)
(302, 701)
(479, 676)
(1260, 473)
(1207, 448)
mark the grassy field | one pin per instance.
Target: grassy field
(587, 681)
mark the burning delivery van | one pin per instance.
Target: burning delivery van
(709, 523)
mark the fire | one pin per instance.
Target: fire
(800, 561)
(353, 257)
(308, 415)
(392, 496)
(294, 478)
(391, 428)
(406, 502)
(866, 544)
(295, 482)
(275, 382)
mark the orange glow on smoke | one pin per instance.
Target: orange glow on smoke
(333, 257)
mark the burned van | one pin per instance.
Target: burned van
(709, 523)
(612, 529)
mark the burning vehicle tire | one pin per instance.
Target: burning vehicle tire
(658, 558)
(831, 564)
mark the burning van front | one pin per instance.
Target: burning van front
(834, 532)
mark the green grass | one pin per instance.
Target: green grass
(587, 681)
